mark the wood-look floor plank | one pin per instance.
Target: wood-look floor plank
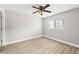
(39, 45)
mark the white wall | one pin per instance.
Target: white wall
(71, 27)
(20, 26)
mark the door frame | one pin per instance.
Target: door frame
(3, 27)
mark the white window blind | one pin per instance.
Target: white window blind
(51, 24)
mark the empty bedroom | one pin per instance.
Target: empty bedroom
(39, 28)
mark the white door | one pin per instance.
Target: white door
(0, 29)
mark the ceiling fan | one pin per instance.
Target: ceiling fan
(41, 9)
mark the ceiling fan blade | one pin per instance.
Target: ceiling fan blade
(47, 11)
(35, 12)
(46, 6)
(35, 7)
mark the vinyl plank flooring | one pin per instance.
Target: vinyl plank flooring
(39, 45)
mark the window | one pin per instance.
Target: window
(51, 24)
(59, 24)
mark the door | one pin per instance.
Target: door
(0, 29)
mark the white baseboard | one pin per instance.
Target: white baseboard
(23, 39)
(65, 42)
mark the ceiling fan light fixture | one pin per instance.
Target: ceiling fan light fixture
(41, 9)
(40, 12)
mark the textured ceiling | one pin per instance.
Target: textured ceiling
(27, 8)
